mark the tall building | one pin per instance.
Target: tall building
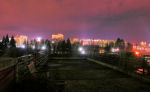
(20, 40)
(75, 40)
(101, 43)
(142, 47)
(57, 37)
(143, 44)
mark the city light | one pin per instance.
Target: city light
(99, 42)
(83, 52)
(39, 39)
(101, 51)
(33, 47)
(115, 50)
(23, 46)
(138, 54)
(20, 40)
(43, 48)
(57, 36)
(80, 49)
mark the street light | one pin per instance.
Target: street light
(23, 46)
(43, 48)
(115, 50)
(138, 54)
(83, 52)
(33, 47)
(39, 39)
(80, 49)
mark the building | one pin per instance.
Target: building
(141, 48)
(99, 42)
(20, 40)
(75, 40)
(143, 44)
(57, 37)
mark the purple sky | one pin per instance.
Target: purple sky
(105, 19)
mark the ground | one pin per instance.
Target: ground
(80, 76)
(7, 62)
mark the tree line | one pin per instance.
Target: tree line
(6, 43)
(8, 47)
(119, 43)
(62, 47)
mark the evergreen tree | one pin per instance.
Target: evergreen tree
(120, 43)
(68, 45)
(42, 43)
(7, 39)
(59, 47)
(111, 44)
(12, 42)
(108, 48)
(25, 43)
(28, 45)
(36, 45)
(4, 42)
(32, 43)
(129, 47)
(63, 45)
(1, 46)
(54, 49)
(76, 45)
(48, 45)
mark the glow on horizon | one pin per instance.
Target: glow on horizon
(39, 39)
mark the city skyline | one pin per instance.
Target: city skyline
(50, 37)
(127, 19)
(74, 45)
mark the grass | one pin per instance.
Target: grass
(7, 62)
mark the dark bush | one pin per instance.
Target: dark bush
(15, 52)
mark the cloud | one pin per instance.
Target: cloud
(81, 16)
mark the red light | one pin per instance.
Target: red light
(137, 54)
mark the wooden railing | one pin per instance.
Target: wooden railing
(17, 72)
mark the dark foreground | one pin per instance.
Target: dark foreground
(78, 76)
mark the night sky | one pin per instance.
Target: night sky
(105, 19)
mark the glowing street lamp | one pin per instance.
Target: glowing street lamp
(80, 49)
(115, 50)
(83, 52)
(33, 47)
(39, 39)
(43, 48)
(23, 46)
(137, 53)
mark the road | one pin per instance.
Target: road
(79, 76)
